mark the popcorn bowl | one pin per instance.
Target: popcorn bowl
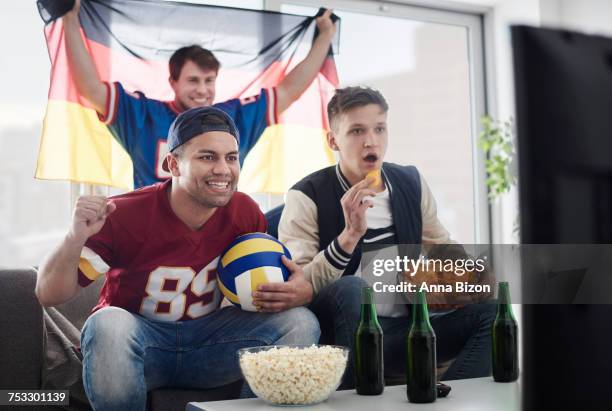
(293, 374)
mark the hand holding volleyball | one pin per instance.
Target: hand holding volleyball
(251, 260)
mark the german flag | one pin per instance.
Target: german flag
(131, 41)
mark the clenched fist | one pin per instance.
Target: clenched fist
(89, 216)
(325, 24)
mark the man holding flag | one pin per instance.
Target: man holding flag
(140, 124)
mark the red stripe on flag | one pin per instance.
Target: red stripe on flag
(328, 70)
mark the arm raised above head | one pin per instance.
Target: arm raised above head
(298, 79)
(81, 64)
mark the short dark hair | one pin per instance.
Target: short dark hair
(202, 57)
(348, 98)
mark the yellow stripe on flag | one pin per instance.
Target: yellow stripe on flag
(258, 276)
(284, 154)
(76, 146)
(254, 245)
(87, 269)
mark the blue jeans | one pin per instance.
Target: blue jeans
(126, 355)
(464, 334)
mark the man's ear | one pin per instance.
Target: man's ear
(172, 162)
(331, 141)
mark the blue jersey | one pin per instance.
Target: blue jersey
(141, 124)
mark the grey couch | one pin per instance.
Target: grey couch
(23, 338)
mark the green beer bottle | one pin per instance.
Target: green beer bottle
(369, 366)
(505, 339)
(421, 355)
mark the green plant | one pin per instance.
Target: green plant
(495, 139)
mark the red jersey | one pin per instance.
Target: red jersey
(155, 265)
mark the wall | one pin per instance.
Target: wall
(589, 16)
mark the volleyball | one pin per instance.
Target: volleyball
(250, 260)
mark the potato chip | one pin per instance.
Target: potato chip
(376, 174)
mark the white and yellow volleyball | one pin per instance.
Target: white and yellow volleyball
(250, 260)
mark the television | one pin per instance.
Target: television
(563, 89)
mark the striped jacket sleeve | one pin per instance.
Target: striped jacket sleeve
(299, 231)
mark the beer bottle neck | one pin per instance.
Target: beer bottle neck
(504, 307)
(368, 313)
(420, 313)
(368, 307)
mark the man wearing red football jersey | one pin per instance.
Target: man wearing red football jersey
(158, 321)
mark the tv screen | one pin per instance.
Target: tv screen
(563, 87)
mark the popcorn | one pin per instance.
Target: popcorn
(290, 375)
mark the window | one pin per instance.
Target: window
(34, 214)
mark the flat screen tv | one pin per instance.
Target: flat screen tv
(563, 87)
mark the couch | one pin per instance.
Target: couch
(23, 339)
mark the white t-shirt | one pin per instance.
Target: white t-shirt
(382, 231)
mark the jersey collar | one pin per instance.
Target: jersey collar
(173, 107)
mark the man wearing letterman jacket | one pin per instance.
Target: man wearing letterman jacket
(331, 213)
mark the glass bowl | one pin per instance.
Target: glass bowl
(293, 374)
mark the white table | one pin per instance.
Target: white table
(476, 394)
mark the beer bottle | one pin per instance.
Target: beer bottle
(505, 339)
(421, 355)
(369, 366)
